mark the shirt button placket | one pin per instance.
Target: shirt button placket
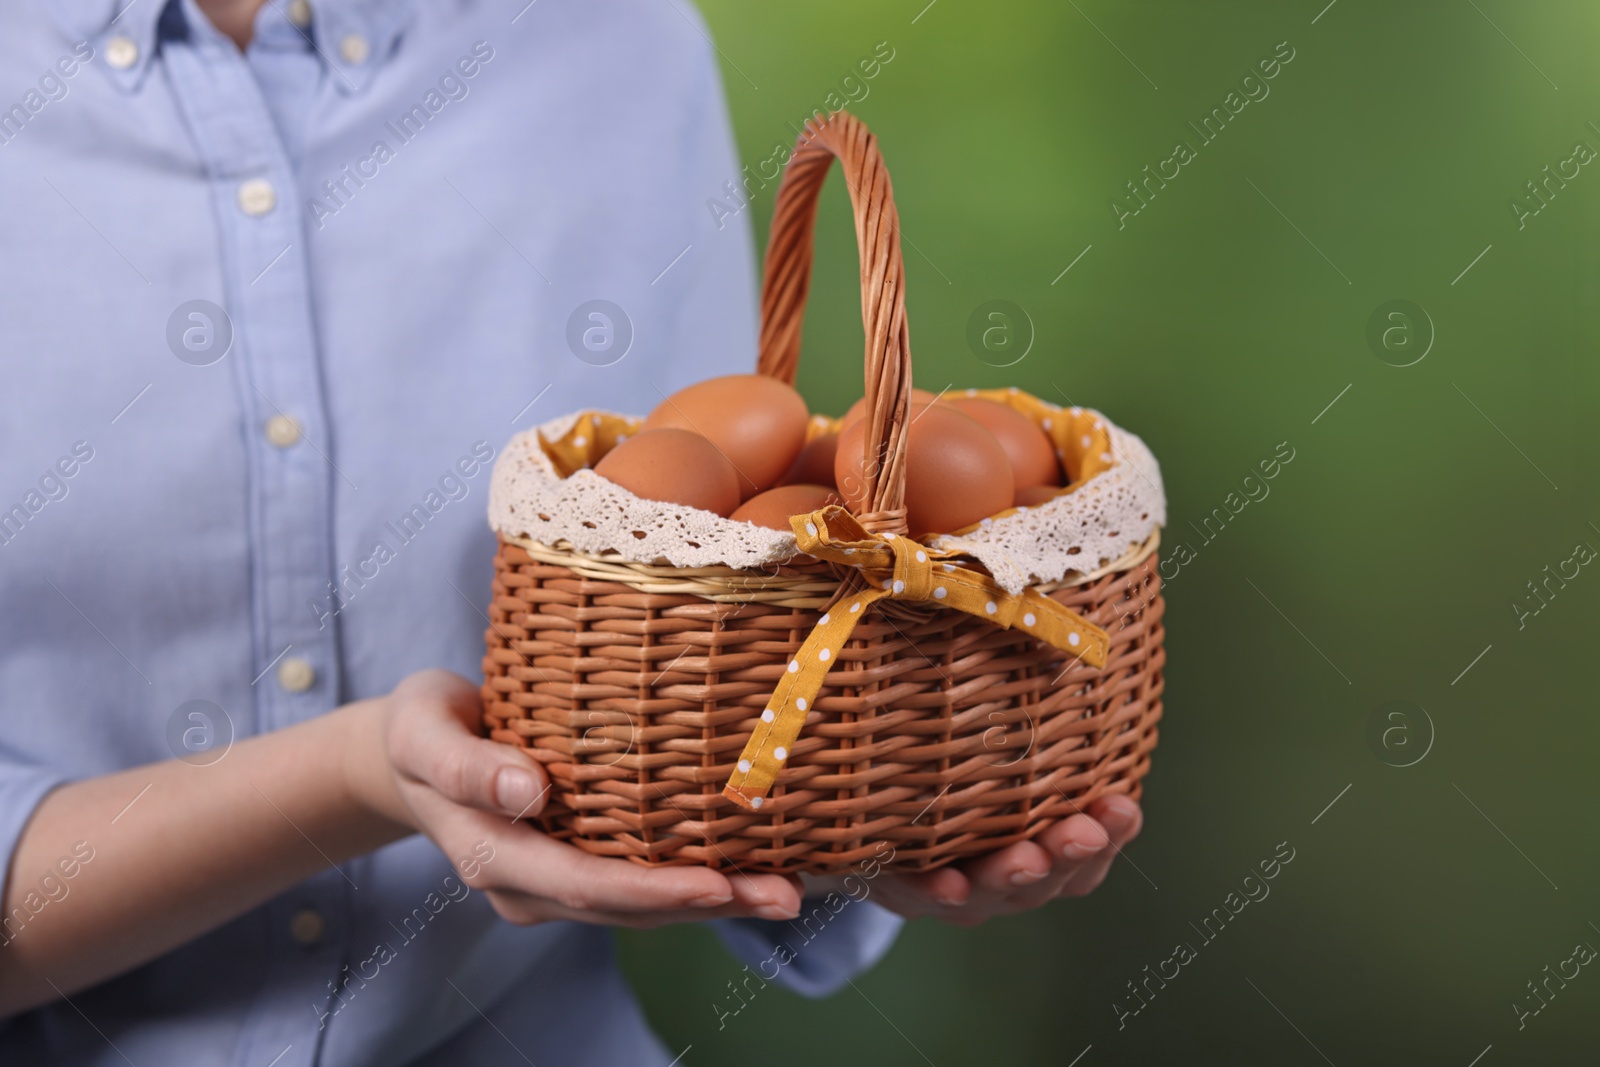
(275, 362)
(257, 197)
(282, 431)
(296, 675)
(268, 296)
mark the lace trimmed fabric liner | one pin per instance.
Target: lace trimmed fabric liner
(1097, 522)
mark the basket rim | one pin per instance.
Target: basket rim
(786, 587)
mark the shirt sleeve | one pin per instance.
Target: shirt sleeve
(22, 787)
(834, 938)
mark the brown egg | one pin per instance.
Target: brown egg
(956, 472)
(758, 422)
(859, 408)
(1034, 495)
(773, 508)
(675, 466)
(814, 464)
(1032, 454)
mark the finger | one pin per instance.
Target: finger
(545, 874)
(520, 908)
(1122, 817)
(1003, 873)
(436, 743)
(925, 893)
(775, 897)
(1069, 847)
(527, 862)
(544, 867)
(1122, 820)
(1074, 840)
(765, 896)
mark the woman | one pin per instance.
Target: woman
(278, 279)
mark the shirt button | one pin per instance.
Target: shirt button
(300, 13)
(283, 431)
(121, 53)
(257, 196)
(296, 675)
(307, 926)
(354, 48)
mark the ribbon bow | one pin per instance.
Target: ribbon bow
(897, 568)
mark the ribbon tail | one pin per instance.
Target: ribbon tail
(899, 568)
(771, 742)
(1029, 611)
(1062, 628)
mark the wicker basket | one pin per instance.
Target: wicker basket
(936, 732)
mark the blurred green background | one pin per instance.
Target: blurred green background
(1221, 320)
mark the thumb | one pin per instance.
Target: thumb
(439, 713)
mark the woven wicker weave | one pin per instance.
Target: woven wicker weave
(938, 733)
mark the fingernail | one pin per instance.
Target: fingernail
(947, 900)
(1119, 810)
(712, 900)
(514, 789)
(1074, 850)
(1026, 877)
(776, 911)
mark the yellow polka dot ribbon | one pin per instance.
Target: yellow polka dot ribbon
(896, 568)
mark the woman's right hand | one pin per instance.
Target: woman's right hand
(428, 769)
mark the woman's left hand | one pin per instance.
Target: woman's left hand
(1069, 859)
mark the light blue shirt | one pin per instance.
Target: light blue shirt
(261, 313)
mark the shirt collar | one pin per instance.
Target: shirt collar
(353, 37)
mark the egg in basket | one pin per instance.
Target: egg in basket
(739, 634)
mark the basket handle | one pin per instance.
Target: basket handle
(786, 281)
